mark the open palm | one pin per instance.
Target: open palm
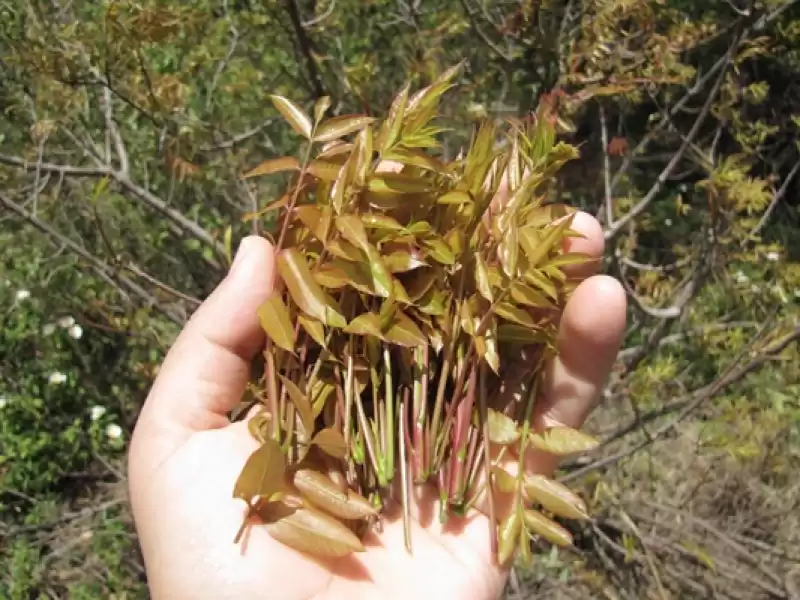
(185, 457)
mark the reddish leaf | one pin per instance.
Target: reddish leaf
(273, 165)
(338, 127)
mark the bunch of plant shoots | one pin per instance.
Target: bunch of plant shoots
(415, 307)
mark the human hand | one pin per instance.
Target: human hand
(185, 456)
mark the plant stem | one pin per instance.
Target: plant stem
(296, 193)
(348, 396)
(272, 392)
(404, 478)
(389, 399)
(487, 458)
(418, 448)
(460, 440)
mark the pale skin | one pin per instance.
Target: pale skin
(185, 456)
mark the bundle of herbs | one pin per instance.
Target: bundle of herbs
(416, 304)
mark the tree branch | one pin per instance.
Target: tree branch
(305, 44)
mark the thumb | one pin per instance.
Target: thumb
(205, 372)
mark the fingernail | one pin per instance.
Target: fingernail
(241, 253)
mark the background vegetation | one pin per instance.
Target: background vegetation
(125, 129)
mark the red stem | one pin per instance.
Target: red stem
(460, 440)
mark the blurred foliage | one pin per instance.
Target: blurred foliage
(126, 127)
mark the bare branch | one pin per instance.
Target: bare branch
(776, 199)
(612, 231)
(317, 20)
(609, 214)
(103, 269)
(304, 43)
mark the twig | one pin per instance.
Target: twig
(776, 199)
(609, 206)
(613, 230)
(304, 42)
(731, 375)
(317, 20)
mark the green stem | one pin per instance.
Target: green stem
(389, 399)
(487, 457)
(404, 475)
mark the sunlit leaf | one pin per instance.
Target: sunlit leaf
(293, 114)
(397, 183)
(273, 165)
(393, 125)
(376, 221)
(325, 494)
(537, 245)
(482, 278)
(309, 530)
(563, 441)
(314, 328)
(352, 229)
(367, 324)
(555, 497)
(538, 280)
(339, 273)
(502, 428)
(509, 251)
(260, 426)
(538, 524)
(455, 197)
(305, 292)
(275, 321)
(515, 314)
(263, 473)
(505, 482)
(331, 442)
(416, 158)
(404, 332)
(507, 536)
(519, 334)
(527, 296)
(301, 403)
(345, 250)
(338, 127)
(325, 170)
(321, 106)
(570, 258)
(402, 262)
(439, 251)
(317, 219)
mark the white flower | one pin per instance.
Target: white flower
(114, 431)
(742, 278)
(668, 222)
(773, 256)
(56, 378)
(48, 329)
(66, 322)
(22, 295)
(75, 332)
(97, 412)
(3, 402)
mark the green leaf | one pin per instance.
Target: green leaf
(352, 229)
(305, 292)
(301, 403)
(456, 197)
(331, 442)
(571, 258)
(509, 251)
(275, 321)
(393, 125)
(274, 165)
(538, 524)
(540, 281)
(482, 278)
(537, 245)
(396, 183)
(404, 332)
(321, 106)
(366, 324)
(263, 473)
(518, 334)
(507, 535)
(526, 295)
(502, 428)
(314, 328)
(381, 277)
(375, 221)
(514, 314)
(339, 273)
(555, 497)
(294, 115)
(439, 251)
(504, 481)
(563, 441)
(401, 261)
(338, 127)
(416, 158)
